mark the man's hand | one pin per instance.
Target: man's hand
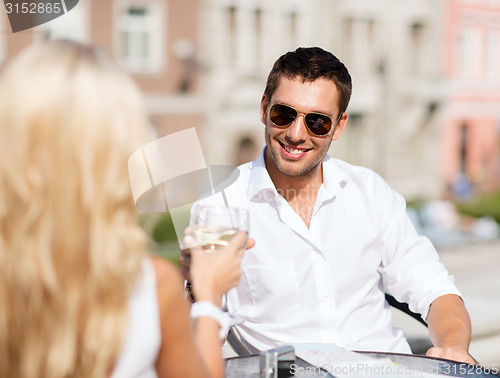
(450, 329)
(450, 353)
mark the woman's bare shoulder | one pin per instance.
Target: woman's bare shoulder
(168, 278)
(164, 268)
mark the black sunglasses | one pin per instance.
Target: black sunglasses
(317, 123)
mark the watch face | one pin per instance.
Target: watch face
(28, 14)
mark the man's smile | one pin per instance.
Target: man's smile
(292, 152)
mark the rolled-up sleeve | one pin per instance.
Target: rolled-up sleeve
(410, 262)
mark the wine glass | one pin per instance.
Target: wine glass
(213, 227)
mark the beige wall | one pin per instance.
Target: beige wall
(102, 26)
(165, 124)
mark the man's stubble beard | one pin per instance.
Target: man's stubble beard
(304, 173)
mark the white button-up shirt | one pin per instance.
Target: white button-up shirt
(323, 284)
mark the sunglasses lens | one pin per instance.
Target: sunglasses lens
(282, 115)
(319, 124)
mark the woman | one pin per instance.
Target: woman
(78, 295)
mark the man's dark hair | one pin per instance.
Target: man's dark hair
(311, 63)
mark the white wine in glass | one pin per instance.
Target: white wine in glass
(214, 226)
(213, 239)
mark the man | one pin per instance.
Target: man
(326, 231)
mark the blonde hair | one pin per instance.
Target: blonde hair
(70, 247)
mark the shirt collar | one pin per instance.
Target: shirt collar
(334, 177)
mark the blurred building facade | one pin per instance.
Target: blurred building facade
(241, 40)
(394, 58)
(470, 134)
(425, 96)
(156, 41)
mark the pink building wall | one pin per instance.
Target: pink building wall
(473, 97)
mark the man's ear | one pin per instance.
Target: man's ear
(263, 109)
(340, 126)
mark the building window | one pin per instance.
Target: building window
(247, 150)
(357, 139)
(347, 37)
(493, 55)
(141, 36)
(417, 46)
(469, 54)
(258, 34)
(233, 37)
(359, 39)
(293, 30)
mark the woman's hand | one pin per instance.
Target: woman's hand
(213, 273)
